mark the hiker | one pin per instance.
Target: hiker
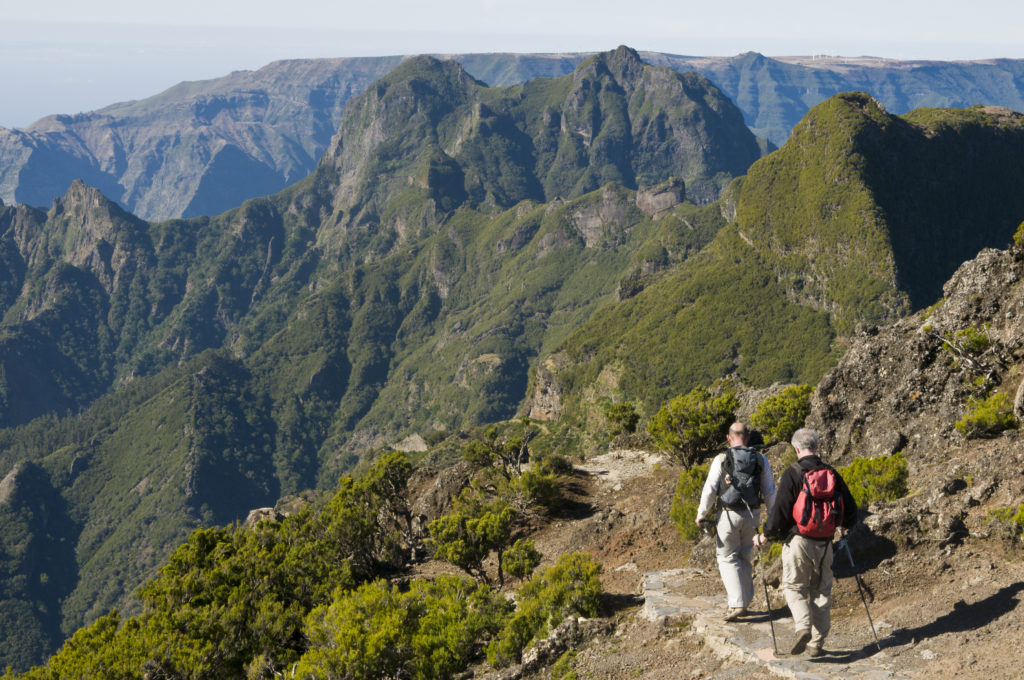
(806, 527)
(738, 480)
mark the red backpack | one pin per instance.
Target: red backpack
(818, 510)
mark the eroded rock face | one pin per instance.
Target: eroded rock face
(547, 395)
(432, 492)
(903, 387)
(656, 200)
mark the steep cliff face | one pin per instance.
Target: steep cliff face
(903, 387)
(428, 138)
(837, 228)
(850, 209)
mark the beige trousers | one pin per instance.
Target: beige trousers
(807, 585)
(733, 549)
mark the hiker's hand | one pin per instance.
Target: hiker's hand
(760, 540)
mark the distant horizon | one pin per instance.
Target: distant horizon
(87, 92)
(107, 51)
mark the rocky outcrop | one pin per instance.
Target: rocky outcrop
(658, 199)
(546, 403)
(903, 387)
(448, 141)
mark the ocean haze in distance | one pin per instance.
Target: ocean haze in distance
(110, 51)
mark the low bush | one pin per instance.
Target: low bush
(572, 587)
(621, 418)
(521, 559)
(987, 416)
(376, 631)
(562, 669)
(1008, 522)
(782, 414)
(972, 340)
(468, 534)
(686, 501)
(873, 480)
(555, 464)
(691, 426)
(539, 489)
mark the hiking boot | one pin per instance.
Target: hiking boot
(814, 650)
(735, 613)
(801, 643)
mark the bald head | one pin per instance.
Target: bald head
(738, 434)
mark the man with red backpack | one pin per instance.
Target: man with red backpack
(812, 502)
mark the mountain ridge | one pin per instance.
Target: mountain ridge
(181, 152)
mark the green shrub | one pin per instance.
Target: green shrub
(522, 558)
(572, 587)
(1018, 236)
(987, 417)
(686, 500)
(539, 488)
(376, 631)
(470, 532)
(621, 418)
(555, 464)
(1008, 522)
(787, 458)
(782, 414)
(693, 425)
(873, 480)
(972, 340)
(562, 669)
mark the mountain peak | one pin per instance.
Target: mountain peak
(623, 64)
(89, 208)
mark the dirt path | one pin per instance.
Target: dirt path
(938, 612)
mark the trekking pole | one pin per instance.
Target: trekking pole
(764, 582)
(845, 545)
(767, 602)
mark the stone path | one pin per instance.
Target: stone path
(750, 640)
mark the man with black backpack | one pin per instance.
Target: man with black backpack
(812, 503)
(739, 480)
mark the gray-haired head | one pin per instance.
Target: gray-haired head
(805, 439)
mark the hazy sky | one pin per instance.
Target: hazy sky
(64, 56)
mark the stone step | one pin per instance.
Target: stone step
(750, 640)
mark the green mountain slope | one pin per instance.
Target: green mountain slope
(860, 217)
(401, 285)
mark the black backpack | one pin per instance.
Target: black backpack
(740, 487)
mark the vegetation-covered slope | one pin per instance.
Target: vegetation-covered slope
(860, 217)
(343, 311)
(453, 237)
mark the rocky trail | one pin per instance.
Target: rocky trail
(938, 612)
(749, 641)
